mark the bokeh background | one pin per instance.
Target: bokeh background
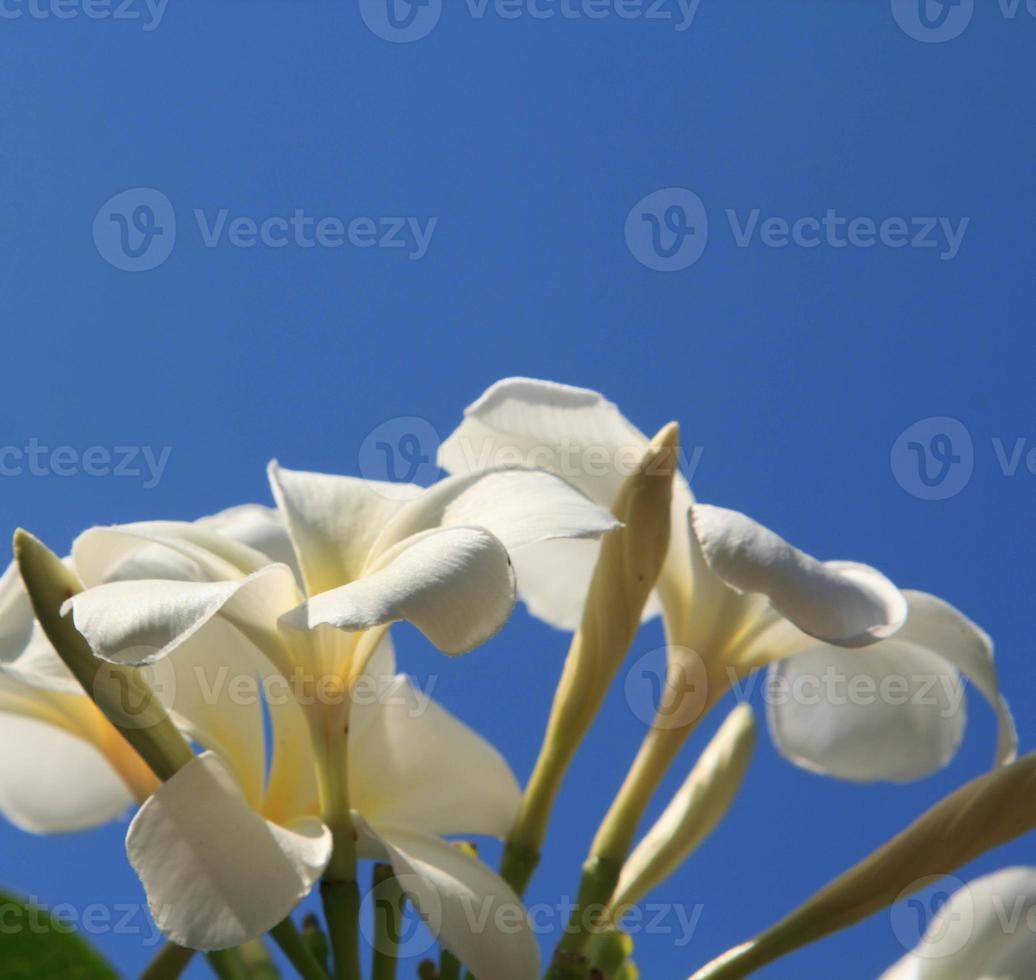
(794, 370)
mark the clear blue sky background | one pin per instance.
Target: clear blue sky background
(530, 140)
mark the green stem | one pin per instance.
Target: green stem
(170, 962)
(449, 966)
(227, 964)
(329, 734)
(600, 876)
(342, 911)
(299, 954)
(389, 900)
(518, 865)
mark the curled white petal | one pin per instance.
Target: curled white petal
(455, 585)
(216, 873)
(839, 602)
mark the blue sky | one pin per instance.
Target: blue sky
(508, 156)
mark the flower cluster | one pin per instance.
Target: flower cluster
(109, 697)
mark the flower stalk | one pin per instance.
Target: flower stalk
(388, 922)
(629, 565)
(983, 814)
(329, 730)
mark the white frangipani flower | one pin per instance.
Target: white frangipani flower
(221, 868)
(736, 597)
(369, 556)
(64, 766)
(986, 931)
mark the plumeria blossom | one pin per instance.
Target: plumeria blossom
(65, 767)
(985, 930)
(369, 555)
(221, 866)
(736, 597)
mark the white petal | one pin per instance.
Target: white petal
(894, 711)
(25, 651)
(176, 550)
(259, 527)
(16, 615)
(580, 436)
(891, 712)
(333, 521)
(413, 764)
(520, 507)
(984, 932)
(211, 685)
(554, 580)
(935, 625)
(575, 433)
(216, 873)
(52, 781)
(139, 622)
(455, 585)
(839, 602)
(469, 908)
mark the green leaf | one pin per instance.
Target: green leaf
(33, 945)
